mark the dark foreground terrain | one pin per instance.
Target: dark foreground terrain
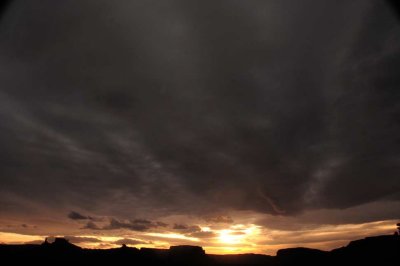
(379, 250)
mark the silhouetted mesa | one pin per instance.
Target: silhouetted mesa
(187, 254)
(184, 250)
(290, 255)
(61, 244)
(379, 250)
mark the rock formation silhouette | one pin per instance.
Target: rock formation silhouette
(378, 250)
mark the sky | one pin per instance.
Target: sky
(239, 126)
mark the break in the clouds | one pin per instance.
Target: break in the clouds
(150, 109)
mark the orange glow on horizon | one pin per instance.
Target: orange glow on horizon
(174, 236)
(233, 239)
(15, 238)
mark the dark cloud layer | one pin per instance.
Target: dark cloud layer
(133, 225)
(224, 219)
(77, 216)
(186, 228)
(91, 225)
(193, 231)
(165, 107)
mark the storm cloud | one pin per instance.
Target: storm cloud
(77, 216)
(91, 225)
(134, 225)
(187, 228)
(133, 109)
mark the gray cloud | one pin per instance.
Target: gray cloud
(180, 227)
(116, 224)
(192, 107)
(369, 212)
(161, 224)
(91, 225)
(77, 216)
(219, 219)
(193, 231)
(186, 228)
(134, 225)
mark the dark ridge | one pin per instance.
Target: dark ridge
(379, 250)
(287, 256)
(60, 244)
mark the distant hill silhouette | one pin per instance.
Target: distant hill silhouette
(61, 244)
(379, 250)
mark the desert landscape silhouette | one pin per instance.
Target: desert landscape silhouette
(195, 132)
(378, 250)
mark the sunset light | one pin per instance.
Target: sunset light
(227, 237)
(238, 234)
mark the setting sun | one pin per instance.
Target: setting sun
(226, 236)
(237, 234)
